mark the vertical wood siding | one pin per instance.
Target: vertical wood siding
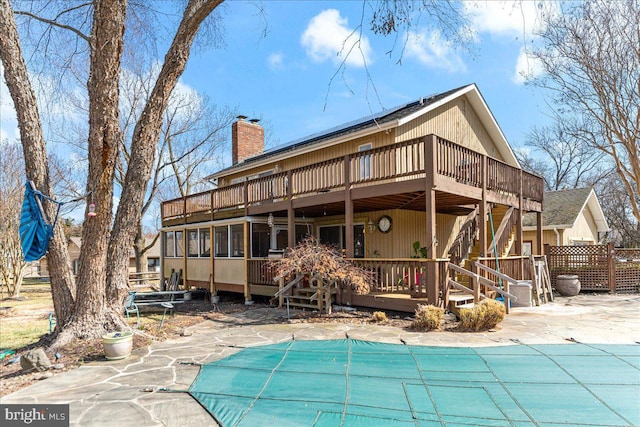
(456, 121)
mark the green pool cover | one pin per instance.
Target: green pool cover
(359, 383)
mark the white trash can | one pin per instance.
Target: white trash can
(522, 290)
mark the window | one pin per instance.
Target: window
(169, 245)
(260, 240)
(365, 162)
(153, 264)
(205, 242)
(335, 236)
(179, 244)
(302, 232)
(222, 241)
(237, 240)
(192, 243)
(526, 247)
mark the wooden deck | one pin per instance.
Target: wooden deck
(394, 177)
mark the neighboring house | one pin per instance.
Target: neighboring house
(427, 171)
(570, 218)
(74, 246)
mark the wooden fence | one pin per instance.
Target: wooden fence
(598, 267)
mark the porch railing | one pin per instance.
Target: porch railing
(260, 272)
(399, 161)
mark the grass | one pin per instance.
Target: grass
(23, 321)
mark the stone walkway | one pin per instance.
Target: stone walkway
(110, 393)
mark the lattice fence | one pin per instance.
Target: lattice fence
(598, 267)
(627, 262)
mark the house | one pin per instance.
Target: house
(570, 218)
(435, 171)
(74, 246)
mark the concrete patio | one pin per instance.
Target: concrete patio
(109, 393)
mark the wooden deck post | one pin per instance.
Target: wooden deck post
(291, 215)
(348, 208)
(482, 222)
(611, 267)
(247, 291)
(519, 225)
(539, 233)
(431, 167)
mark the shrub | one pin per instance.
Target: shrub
(311, 257)
(484, 315)
(379, 316)
(428, 317)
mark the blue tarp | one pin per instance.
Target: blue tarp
(35, 230)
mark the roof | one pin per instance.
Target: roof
(383, 120)
(561, 209)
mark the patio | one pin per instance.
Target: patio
(113, 393)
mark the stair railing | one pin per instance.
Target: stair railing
(465, 238)
(503, 233)
(506, 295)
(476, 280)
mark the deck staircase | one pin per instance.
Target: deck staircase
(318, 295)
(504, 222)
(460, 296)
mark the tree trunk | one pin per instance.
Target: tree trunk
(140, 249)
(145, 138)
(94, 316)
(35, 156)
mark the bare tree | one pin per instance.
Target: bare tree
(190, 137)
(590, 53)
(12, 263)
(102, 277)
(563, 161)
(35, 156)
(625, 231)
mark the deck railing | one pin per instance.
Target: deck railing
(399, 161)
(459, 163)
(404, 275)
(260, 271)
(319, 177)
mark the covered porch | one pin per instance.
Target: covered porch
(415, 183)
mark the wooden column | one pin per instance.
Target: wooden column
(184, 260)
(431, 168)
(539, 233)
(482, 221)
(212, 285)
(247, 291)
(348, 208)
(611, 263)
(291, 214)
(162, 252)
(519, 225)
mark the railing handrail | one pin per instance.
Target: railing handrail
(486, 282)
(279, 181)
(496, 273)
(289, 285)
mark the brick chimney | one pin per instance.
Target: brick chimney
(247, 139)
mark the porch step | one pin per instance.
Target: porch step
(303, 305)
(458, 301)
(460, 298)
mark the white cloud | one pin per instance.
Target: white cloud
(505, 18)
(527, 67)
(434, 52)
(8, 119)
(275, 61)
(328, 37)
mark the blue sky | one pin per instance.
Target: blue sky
(284, 77)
